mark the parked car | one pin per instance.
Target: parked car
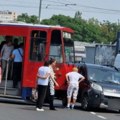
(117, 62)
(101, 89)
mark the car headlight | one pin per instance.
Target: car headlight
(96, 87)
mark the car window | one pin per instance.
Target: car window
(95, 74)
(103, 75)
(116, 76)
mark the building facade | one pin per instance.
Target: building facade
(7, 16)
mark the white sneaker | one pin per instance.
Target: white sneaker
(38, 109)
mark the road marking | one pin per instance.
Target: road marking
(102, 117)
(93, 113)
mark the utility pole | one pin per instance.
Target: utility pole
(40, 7)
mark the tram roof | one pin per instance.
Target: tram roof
(34, 25)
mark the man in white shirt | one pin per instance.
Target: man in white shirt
(73, 79)
(5, 55)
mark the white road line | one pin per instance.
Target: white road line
(102, 117)
(93, 113)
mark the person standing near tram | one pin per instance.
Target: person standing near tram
(44, 76)
(17, 56)
(52, 83)
(73, 79)
(5, 55)
(42, 84)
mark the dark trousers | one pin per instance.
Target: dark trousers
(4, 67)
(50, 98)
(17, 70)
(41, 96)
(51, 102)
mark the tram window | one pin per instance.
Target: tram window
(69, 50)
(56, 46)
(55, 52)
(69, 53)
(16, 40)
(37, 48)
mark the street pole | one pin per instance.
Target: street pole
(40, 5)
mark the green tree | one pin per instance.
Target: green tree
(23, 18)
(92, 31)
(28, 19)
(34, 19)
(78, 15)
(109, 31)
(86, 30)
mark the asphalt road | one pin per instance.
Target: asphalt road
(28, 112)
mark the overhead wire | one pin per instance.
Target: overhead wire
(66, 5)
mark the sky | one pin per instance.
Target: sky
(98, 9)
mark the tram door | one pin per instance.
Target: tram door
(8, 44)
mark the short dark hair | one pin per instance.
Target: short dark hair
(8, 38)
(46, 63)
(21, 44)
(52, 60)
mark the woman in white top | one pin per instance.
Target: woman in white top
(52, 83)
(42, 84)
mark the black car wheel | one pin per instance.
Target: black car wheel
(85, 103)
(119, 111)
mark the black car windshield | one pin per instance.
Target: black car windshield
(101, 74)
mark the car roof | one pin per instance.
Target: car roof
(97, 66)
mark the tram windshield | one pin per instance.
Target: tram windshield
(56, 46)
(69, 47)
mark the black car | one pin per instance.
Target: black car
(101, 89)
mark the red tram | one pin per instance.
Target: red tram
(41, 42)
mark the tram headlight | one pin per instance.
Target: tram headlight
(96, 87)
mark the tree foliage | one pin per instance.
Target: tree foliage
(28, 19)
(85, 30)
